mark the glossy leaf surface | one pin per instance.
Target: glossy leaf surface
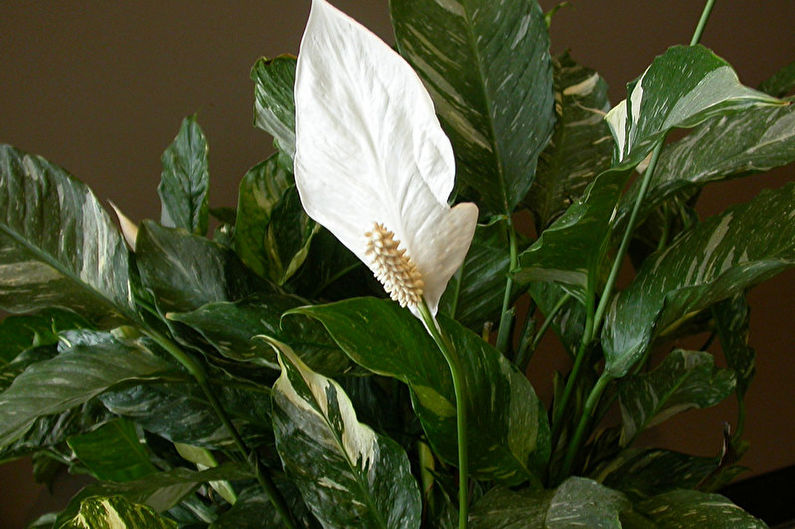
(507, 428)
(116, 513)
(487, 68)
(113, 452)
(715, 260)
(185, 180)
(274, 104)
(58, 247)
(348, 475)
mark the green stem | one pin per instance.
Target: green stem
(198, 372)
(604, 379)
(526, 352)
(702, 22)
(448, 351)
(585, 419)
(579, 358)
(506, 315)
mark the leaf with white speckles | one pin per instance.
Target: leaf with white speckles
(581, 146)
(116, 513)
(689, 509)
(714, 260)
(684, 380)
(185, 180)
(348, 475)
(58, 247)
(274, 103)
(681, 88)
(487, 67)
(576, 503)
(508, 432)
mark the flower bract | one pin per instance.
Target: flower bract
(372, 163)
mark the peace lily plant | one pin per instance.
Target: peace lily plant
(258, 377)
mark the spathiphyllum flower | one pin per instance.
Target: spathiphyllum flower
(372, 164)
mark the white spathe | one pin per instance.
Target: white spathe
(370, 150)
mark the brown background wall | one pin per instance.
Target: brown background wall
(100, 88)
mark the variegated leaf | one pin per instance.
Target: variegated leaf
(716, 259)
(685, 379)
(487, 67)
(274, 104)
(348, 475)
(185, 180)
(690, 509)
(581, 146)
(115, 512)
(508, 432)
(577, 502)
(732, 320)
(572, 249)
(58, 247)
(113, 452)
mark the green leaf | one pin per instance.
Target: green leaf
(507, 428)
(9, 371)
(70, 379)
(488, 70)
(569, 322)
(691, 509)
(780, 83)
(254, 510)
(230, 327)
(58, 247)
(715, 260)
(684, 380)
(476, 296)
(581, 145)
(272, 233)
(641, 473)
(159, 491)
(732, 319)
(20, 333)
(750, 141)
(348, 475)
(274, 104)
(185, 180)
(113, 452)
(179, 411)
(681, 88)
(186, 271)
(115, 513)
(577, 502)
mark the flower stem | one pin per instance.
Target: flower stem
(702, 22)
(507, 313)
(197, 371)
(449, 353)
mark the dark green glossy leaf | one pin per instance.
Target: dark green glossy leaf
(159, 491)
(577, 502)
(185, 180)
(348, 475)
(488, 70)
(476, 296)
(274, 104)
(641, 473)
(230, 327)
(691, 509)
(780, 83)
(750, 141)
(732, 318)
(290, 232)
(681, 88)
(58, 247)
(253, 510)
(507, 427)
(684, 380)
(581, 146)
(70, 379)
(19, 333)
(9, 371)
(720, 257)
(115, 512)
(113, 452)
(179, 411)
(569, 321)
(186, 271)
